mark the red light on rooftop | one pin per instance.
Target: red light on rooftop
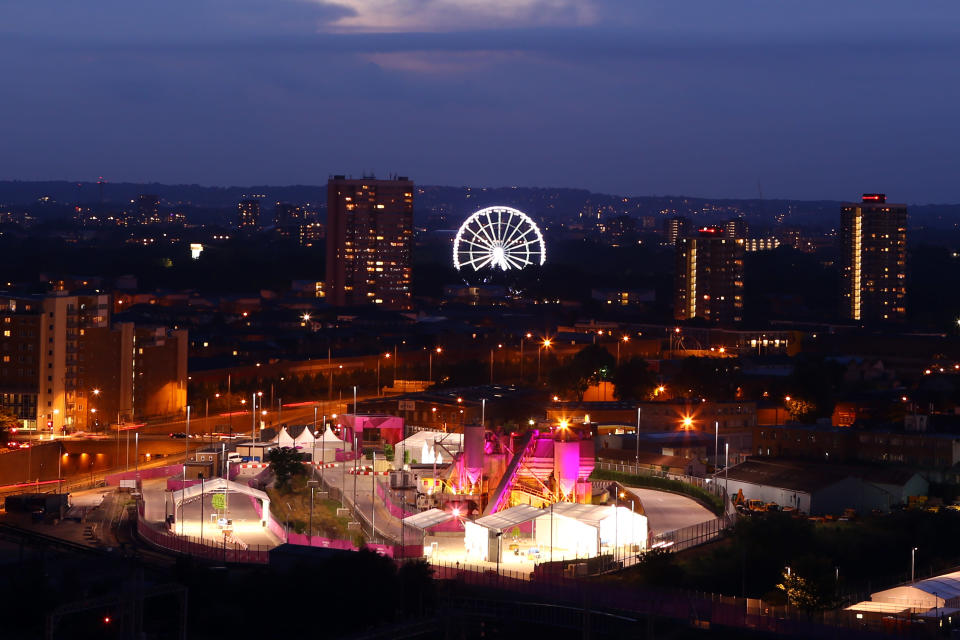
(874, 197)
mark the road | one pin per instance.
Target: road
(387, 525)
(668, 511)
(246, 522)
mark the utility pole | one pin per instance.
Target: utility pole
(637, 434)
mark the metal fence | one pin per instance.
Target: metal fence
(692, 536)
(699, 609)
(685, 537)
(235, 552)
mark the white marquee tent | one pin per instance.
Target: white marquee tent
(480, 536)
(584, 530)
(938, 592)
(218, 484)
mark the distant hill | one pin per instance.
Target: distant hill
(446, 206)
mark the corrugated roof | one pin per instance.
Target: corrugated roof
(509, 517)
(426, 519)
(809, 476)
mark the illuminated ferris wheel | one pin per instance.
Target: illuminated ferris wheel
(498, 237)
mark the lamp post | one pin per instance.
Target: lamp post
(716, 444)
(523, 339)
(624, 339)
(183, 486)
(373, 498)
(726, 464)
(543, 345)
(438, 351)
(913, 557)
(637, 434)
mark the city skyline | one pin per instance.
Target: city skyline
(729, 101)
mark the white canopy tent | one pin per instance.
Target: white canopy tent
(426, 446)
(324, 446)
(481, 537)
(283, 438)
(583, 530)
(219, 484)
(933, 593)
(305, 438)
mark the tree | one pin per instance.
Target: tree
(633, 380)
(810, 585)
(285, 464)
(590, 365)
(566, 380)
(8, 422)
(594, 363)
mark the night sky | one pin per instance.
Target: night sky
(808, 98)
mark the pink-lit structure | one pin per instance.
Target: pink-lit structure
(370, 428)
(497, 471)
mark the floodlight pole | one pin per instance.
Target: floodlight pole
(716, 445)
(637, 434)
(726, 464)
(183, 485)
(373, 498)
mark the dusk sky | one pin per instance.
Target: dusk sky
(810, 98)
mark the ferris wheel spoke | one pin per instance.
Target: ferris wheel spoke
(522, 240)
(476, 263)
(513, 232)
(482, 245)
(482, 230)
(492, 229)
(514, 262)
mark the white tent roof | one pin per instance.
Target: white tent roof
(283, 438)
(929, 593)
(591, 514)
(215, 484)
(304, 437)
(451, 442)
(426, 519)
(329, 436)
(507, 518)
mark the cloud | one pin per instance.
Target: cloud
(456, 15)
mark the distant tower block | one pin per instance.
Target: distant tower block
(473, 442)
(566, 466)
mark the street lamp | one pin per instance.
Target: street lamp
(913, 558)
(438, 351)
(624, 339)
(499, 346)
(543, 345)
(523, 339)
(379, 388)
